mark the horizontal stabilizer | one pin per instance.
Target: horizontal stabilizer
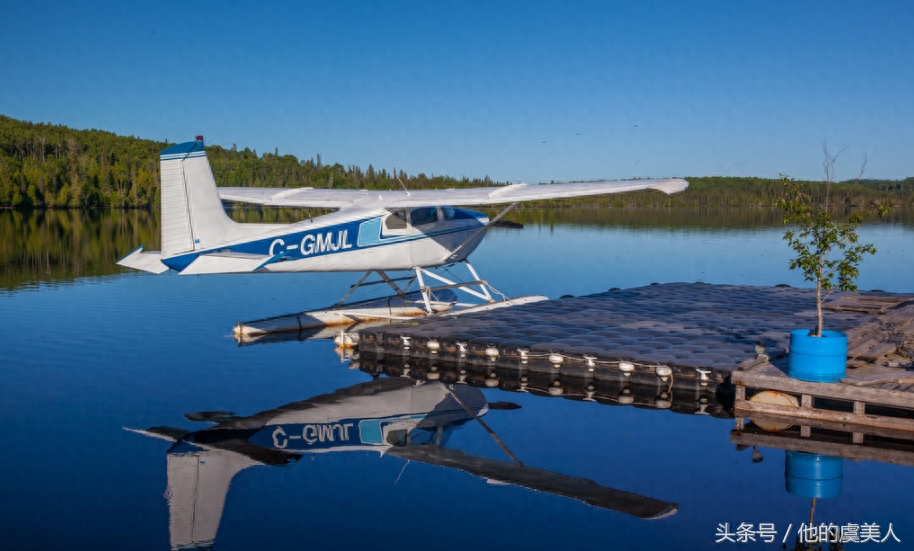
(147, 262)
(227, 263)
(163, 433)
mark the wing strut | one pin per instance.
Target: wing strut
(504, 447)
(385, 279)
(482, 229)
(427, 292)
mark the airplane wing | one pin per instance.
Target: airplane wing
(294, 197)
(343, 198)
(540, 480)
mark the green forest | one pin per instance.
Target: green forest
(52, 166)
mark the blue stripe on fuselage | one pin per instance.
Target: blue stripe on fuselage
(333, 239)
(335, 433)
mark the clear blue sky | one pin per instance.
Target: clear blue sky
(520, 91)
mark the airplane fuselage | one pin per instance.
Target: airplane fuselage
(374, 416)
(333, 243)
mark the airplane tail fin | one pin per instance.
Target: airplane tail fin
(192, 213)
(198, 483)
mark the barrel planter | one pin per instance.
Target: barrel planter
(818, 359)
(813, 474)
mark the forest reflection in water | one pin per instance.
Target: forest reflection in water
(58, 246)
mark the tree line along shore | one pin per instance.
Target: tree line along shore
(53, 166)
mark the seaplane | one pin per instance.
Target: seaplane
(368, 231)
(394, 416)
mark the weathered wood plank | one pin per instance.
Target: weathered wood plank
(860, 333)
(901, 314)
(768, 369)
(826, 424)
(839, 391)
(855, 349)
(845, 421)
(752, 363)
(866, 304)
(878, 351)
(883, 379)
(880, 337)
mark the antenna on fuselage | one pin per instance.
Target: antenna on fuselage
(403, 185)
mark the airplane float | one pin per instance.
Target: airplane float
(391, 416)
(370, 231)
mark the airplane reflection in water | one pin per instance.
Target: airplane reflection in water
(395, 416)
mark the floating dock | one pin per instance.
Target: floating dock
(694, 340)
(583, 389)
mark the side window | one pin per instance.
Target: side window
(424, 215)
(449, 212)
(396, 220)
(397, 437)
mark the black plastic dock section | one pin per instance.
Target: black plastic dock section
(685, 401)
(677, 335)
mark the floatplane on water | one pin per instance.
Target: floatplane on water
(391, 416)
(370, 231)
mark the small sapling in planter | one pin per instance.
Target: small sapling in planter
(823, 233)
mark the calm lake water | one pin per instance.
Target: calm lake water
(91, 351)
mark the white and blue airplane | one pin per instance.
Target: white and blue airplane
(391, 416)
(370, 230)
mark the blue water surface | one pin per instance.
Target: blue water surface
(81, 361)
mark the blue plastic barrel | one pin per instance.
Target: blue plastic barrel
(818, 359)
(813, 474)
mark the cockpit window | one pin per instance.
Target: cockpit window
(396, 220)
(449, 212)
(423, 215)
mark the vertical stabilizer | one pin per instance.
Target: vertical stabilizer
(198, 483)
(192, 213)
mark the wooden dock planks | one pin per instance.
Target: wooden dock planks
(839, 391)
(882, 336)
(858, 398)
(871, 379)
(878, 304)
